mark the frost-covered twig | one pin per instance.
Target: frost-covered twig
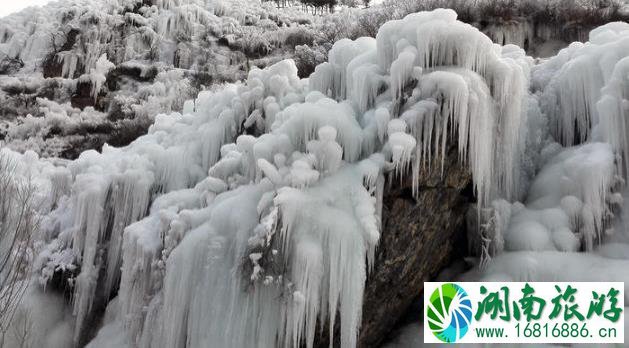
(18, 222)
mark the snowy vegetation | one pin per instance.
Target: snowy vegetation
(164, 52)
(250, 216)
(108, 67)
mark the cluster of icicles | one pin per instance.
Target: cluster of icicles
(157, 28)
(308, 187)
(279, 173)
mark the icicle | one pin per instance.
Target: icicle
(328, 152)
(334, 76)
(98, 75)
(582, 86)
(401, 71)
(402, 146)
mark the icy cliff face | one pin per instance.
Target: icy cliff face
(573, 202)
(165, 52)
(302, 162)
(252, 217)
(77, 74)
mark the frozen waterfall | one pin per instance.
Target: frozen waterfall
(252, 218)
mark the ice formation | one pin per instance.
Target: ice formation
(252, 218)
(480, 87)
(573, 201)
(122, 62)
(98, 75)
(161, 26)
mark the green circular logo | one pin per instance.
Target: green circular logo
(449, 313)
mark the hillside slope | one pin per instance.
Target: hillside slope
(90, 72)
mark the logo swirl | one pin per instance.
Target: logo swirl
(449, 313)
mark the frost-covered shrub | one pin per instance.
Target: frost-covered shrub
(369, 21)
(559, 12)
(503, 9)
(268, 25)
(349, 3)
(307, 58)
(298, 36)
(120, 108)
(21, 206)
(254, 43)
(590, 12)
(336, 27)
(10, 65)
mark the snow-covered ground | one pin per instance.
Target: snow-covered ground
(254, 213)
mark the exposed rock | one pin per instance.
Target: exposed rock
(53, 67)
(123, 72)
(421, 235)
(117, 134)
(83, 97)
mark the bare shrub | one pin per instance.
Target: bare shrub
(369, 22)
(299, 36)
(18, 221)
(22, 329)
(503, 9)
(10, 65)
(337, 27)
(561, 12)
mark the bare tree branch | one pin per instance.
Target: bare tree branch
(18, 221)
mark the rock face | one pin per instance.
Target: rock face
(419, 238)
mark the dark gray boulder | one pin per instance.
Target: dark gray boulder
(421, 235)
